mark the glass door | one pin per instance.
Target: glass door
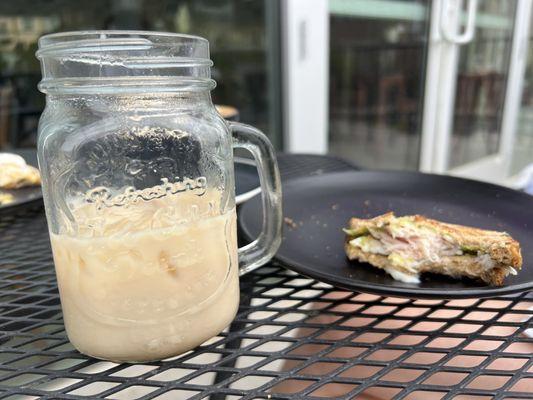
(522, 153)
(427, 85)
(482, 73)
(354, 79)
(473, 87)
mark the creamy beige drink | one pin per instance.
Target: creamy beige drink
(150, 280)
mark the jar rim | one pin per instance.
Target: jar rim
(97, 59)
(52, 43)
(120, 32)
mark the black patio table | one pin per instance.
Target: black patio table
(293, 337)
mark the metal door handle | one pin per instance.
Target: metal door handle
(453, 7)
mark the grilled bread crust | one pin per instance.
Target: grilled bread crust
(500, 246)
(454, 266)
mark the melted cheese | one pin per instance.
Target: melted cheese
(370, 245)
(485, 261)
(402, 276)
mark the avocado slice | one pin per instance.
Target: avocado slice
(472, 250)
(355, 233)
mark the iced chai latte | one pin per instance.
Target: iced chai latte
(138, 185)
(146, 280)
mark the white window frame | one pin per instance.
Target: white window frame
(305, 70)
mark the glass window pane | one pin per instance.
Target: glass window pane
(244, 48)
(377, 61)
(523, 146)
(481, 81)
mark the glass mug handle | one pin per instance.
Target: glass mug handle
(261, 250)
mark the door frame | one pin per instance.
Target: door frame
(305, 70)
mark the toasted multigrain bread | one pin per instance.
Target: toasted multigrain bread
(499, 246)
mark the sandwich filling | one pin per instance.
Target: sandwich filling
(411, 248)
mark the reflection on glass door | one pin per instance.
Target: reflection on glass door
(243, 36)
(376, 81)
(483, 68)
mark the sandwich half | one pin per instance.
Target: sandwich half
(407, 246)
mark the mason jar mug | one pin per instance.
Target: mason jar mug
(138, 184)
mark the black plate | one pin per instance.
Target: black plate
(21, 197)
(321, 205)
(247, 183)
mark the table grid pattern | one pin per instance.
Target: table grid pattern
(293, 337)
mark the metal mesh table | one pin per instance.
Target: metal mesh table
(293, 337)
